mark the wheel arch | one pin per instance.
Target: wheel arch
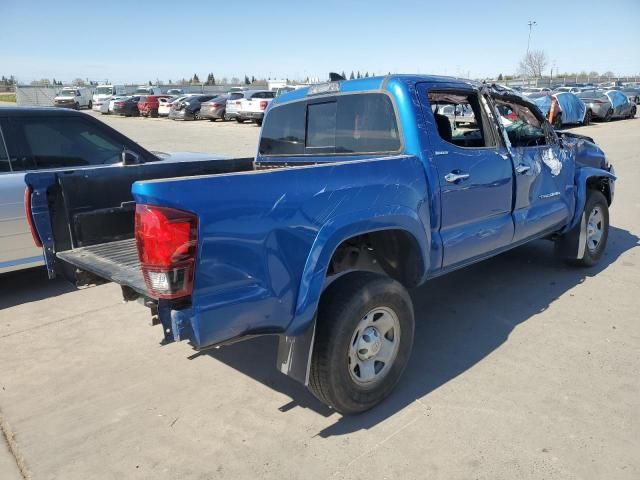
(391, 219)
(591, 178)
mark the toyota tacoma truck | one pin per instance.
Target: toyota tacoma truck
(359, 191)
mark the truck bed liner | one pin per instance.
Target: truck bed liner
(115, 261)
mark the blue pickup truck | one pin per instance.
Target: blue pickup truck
(359, 191)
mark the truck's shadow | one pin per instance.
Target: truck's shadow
(24, 286)
(460, 319)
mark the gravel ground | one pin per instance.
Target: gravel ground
(522, 368)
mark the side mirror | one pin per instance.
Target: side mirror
(129, 158)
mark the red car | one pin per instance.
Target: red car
(148, 105)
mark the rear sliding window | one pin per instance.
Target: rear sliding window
(345, 124)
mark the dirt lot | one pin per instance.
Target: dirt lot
(523, 368)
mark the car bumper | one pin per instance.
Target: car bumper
(181, 115)
(211, 113)
(251, 115)
(65, 104)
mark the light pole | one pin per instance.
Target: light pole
(532, 23)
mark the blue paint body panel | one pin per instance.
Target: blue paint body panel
(266, 237)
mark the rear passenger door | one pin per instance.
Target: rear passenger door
(474, 173)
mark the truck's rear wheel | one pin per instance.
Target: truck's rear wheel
(364, 336)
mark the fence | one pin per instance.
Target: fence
(31, 95)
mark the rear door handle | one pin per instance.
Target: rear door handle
(455, 177)
(522, 168)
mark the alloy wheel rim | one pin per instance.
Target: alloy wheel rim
(595, 228)
(374, 346)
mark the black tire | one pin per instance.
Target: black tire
(557, 121)
(592, 255)
(76, 106)
(90, 106)
(607, 117)
(239, 120)
(587, 118)
(633, 113)
(259, 122)
(343, 308)
(223, 117)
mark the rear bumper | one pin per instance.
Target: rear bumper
(211, 113)
(251, 115)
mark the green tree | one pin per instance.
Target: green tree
(358, 74)
(366, 75)
(246, 80)
(344, 75)
(195, 78)
(500, 77)
(253, 79)
(351, 77)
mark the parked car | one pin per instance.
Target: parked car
(569, 89)
(175, 91)
(189, 107)
(73, 97)
(253, 105)
(563, 108)
(145, 90)
(215, 109)
(597, 103)
(164, 105)
(127, 106)
(358, 192)
(458, 114)
(107, 107)
(622, 107)
(148, 105)
(233, 104)
(44, 139)
(104, 93)
(528, 91)
(632, 93)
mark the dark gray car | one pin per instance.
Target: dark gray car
(598, 104)
(215, 108)
(189, 107)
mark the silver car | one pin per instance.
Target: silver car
(598, 104)
(37, 139)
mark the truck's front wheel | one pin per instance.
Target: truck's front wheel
(364, 335)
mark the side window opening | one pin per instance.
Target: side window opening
(460, 119)
(522, 126)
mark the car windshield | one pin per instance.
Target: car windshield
(143, 90)
(67, 93)
(104, 90)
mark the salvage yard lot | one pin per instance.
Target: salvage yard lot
(522, 368)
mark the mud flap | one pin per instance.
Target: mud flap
(572, 244)
(294, 354)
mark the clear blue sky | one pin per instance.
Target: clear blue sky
(139, 40)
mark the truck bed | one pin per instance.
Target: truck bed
(114, 261)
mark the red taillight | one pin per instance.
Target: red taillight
(263, 104)
(216, 105)
(29, 215)
(167, 241)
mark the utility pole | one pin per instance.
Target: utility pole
(532, 23)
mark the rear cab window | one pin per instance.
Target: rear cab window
(359, 123)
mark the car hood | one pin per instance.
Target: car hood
(187, 156)
(586, 151)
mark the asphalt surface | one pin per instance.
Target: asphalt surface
(523, 368)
